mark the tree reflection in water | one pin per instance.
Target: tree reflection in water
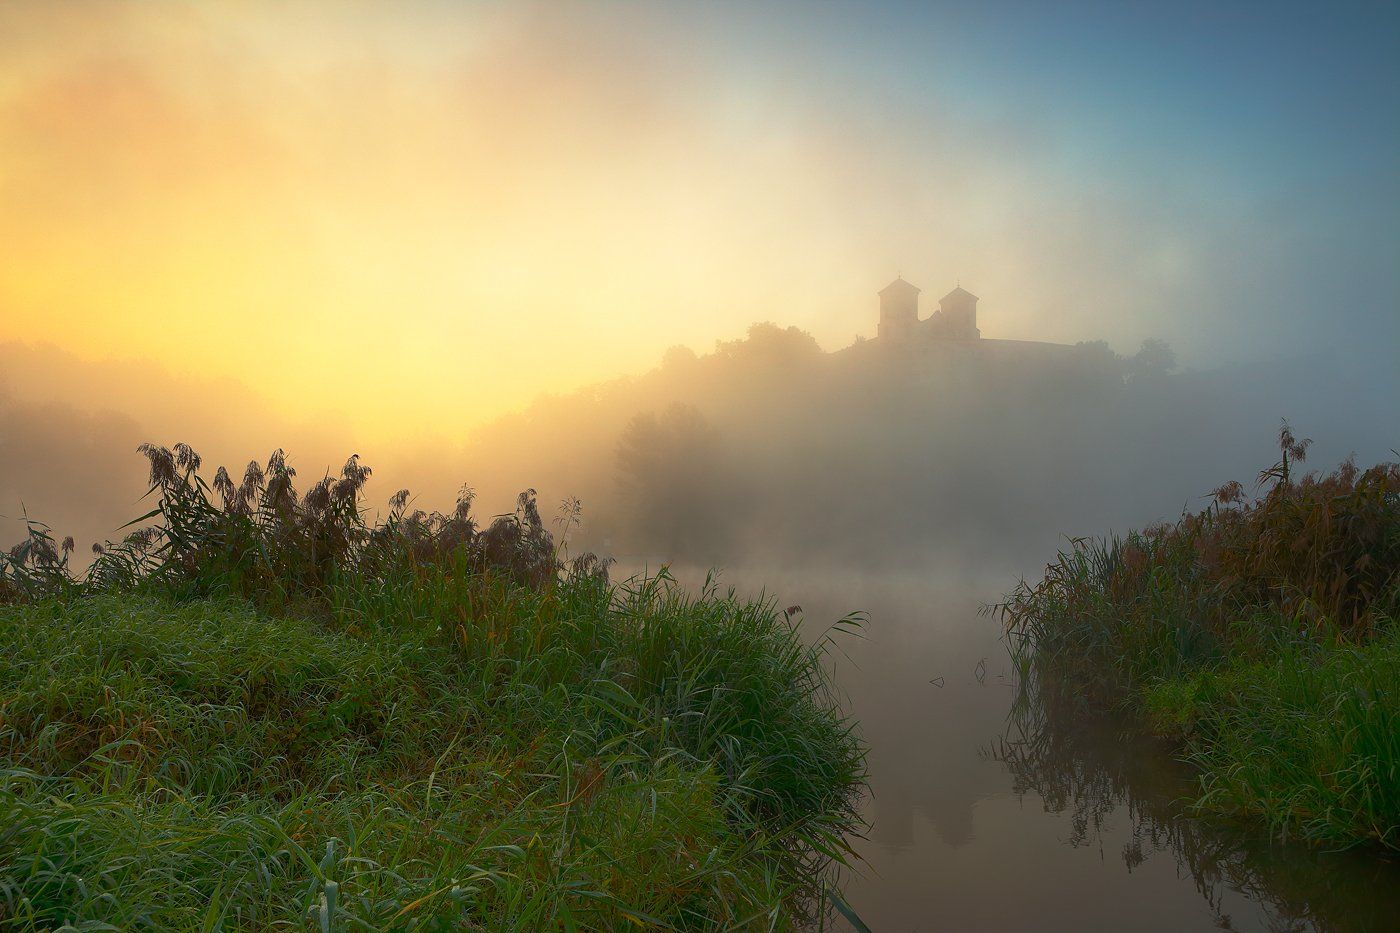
(1097, 769)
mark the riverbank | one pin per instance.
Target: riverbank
(1261, 634)
(264, 712)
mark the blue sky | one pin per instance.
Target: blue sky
(1270, 129)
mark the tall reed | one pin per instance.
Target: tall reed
(1220, 622)
(261, 708)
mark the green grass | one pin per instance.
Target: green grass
(1261, 635)
(1307, 739)
(599, 757)
(259, 710)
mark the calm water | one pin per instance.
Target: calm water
(984, 820)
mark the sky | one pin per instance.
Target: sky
(413, 217)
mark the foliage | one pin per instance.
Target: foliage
(260, 538)
(767, 343)
(1262, 631)
(671, 477)
(1307, 739)
(1154, 359)
(273, 712)
(1106, 774)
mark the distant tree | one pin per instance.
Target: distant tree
(1153, 359)
(668, 473)
(678, 357)
(768, 343)
(1095, 349)
(1097, 358)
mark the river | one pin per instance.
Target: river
(988, 816)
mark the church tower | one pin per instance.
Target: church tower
(899, 310)
(958, 311)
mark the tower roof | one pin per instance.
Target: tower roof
(899, 286)
(957, 293)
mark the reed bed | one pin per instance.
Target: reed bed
(1260, 633)
(259, 710)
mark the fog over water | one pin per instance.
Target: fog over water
(980, 454)
(986, 815)
(913, 482)
(642, 258)
(459, 241)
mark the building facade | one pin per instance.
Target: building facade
(955, 319)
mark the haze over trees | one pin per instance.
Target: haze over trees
(770, 449)
(766, 449)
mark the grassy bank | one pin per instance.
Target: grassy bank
(1261, 633)
(266, 712)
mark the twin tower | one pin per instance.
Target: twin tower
(955, 319)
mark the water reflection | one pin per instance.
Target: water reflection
(991, 809)
(1091, 767)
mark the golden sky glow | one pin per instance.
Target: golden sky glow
(420, 216)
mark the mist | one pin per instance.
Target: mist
(723, 458)
(770, 450)
(985, 456)
(461, 244)
(529, 199)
